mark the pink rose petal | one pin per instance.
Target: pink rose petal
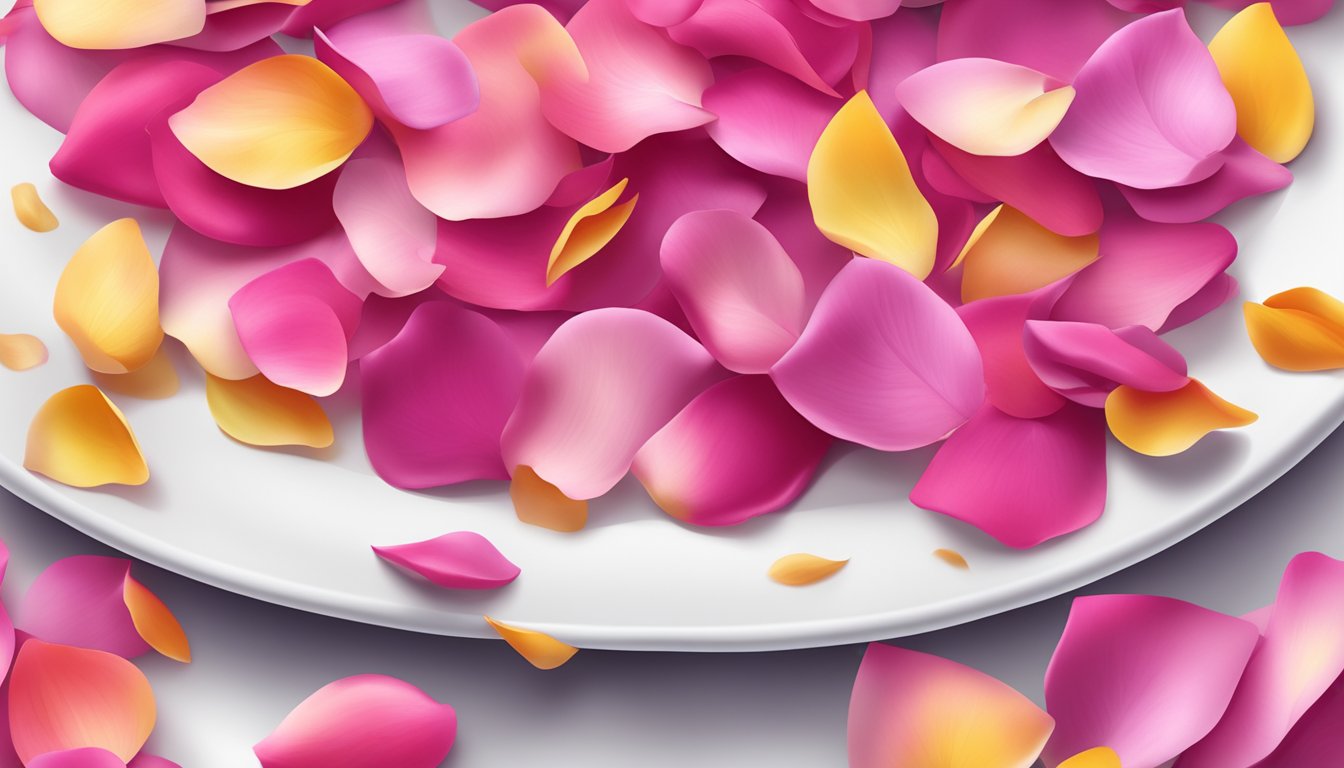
(858, 10)
(562, 10)
(324, 14)
(144, 760)
(49, 79)
(902, 44)
(1317, 734)
(1245, 173)
(788, 215)
(80, 601)
(1051, 36)
(83, 757)
(1085, 361)
(768, 120)
(1213, 295)
(462, 560)
(996, 324)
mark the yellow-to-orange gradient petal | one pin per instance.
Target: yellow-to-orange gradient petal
(155, 623)
(275, 124)
(258, 412)
(107, 300)
(981, 227)
(80, 438)
(62, 698)
(21, 351)
(1166, 423)
(30, 210)
(1101, 757)
(953, 558)
(799, 569)
(117, 24)
(1014, 254)
(590, 228)
(540, 649)
(1275, 109)
(537, 502)
(1298, 330)
(863, 196)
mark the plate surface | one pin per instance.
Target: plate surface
(294, 527)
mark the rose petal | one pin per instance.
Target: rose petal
(325, 14)
(30, 210)
(462, 560)
(663, 13)
(132, 24)
(902, 44)
(996, 324)
(1213, 295)
(1085, 361)
(863, 196)
(391, 233)
(768, 120)
(1097, 757)
(1016, 255)
(858, 10)
(590, 228)
(913, 709)
(787, 214)
(883, 362)
(1298, 330)
(79, 438)
(1146, 676)
(537, 502)
(1275, 109)
(1315, 734)
(257, 412)
(365, 721)
(144, 760)
(65, 698)
(952, 558)
(84, 757)
(230, 26)
(436, 398)
(1151, 111)
(541, 650)
(1167, 423)
(801, 569)
(1245, 173)
(47, 78)
(21, 351)
(1051, 36)
(1288, 11)
(154, 622)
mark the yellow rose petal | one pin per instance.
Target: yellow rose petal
(1101, 757)
(118, 24)
(155, 380)
(863, 196)
(540, 649)
(1298, 330)
(1014, 255)
(1166, 423)
(30, 210)
(980, 228)
(20, 351)
(800, 569)
(107, 300)
(275, 124)
(588, 230)
(952, 558)
(155, 623)
(258, 412)
(537, 502)
(79, 438)
(1275, 108)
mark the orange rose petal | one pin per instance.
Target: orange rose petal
(30, 210)
(1166, 423)
(103, 25)
(1101, 757)
(1015, 255)
(258, 412)
(537, 502)
(980, 228)
(20, 351)
(540, 649)
(80, 438)
(1298, 330)
(590, 228)
(156, 380)
(155, 623)
(801, 569)
(107, 300)
(952, 558)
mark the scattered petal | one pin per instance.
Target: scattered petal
(952, 558)
(80, 438)
(1167, 423)
(258, 412)
(1016, 255)
(541, 650)
(131, 24)
(801, 569)
(50, 80)
(21, 351)
(30, 210)
(537, 502)
(1245, 173)
(1298, 330)
(996, 324)
(392, 234)
(1085, 361)
(462, 560)
(591, 227)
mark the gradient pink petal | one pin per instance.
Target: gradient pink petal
(49, 79)
(858, 10)
(1215, 293)
(1085, 361)
(84, 757)
(901, 45)
(996, 324)
(233, 28)
(79, 601)
(1317, 735)
(1051, 36)
(144, 760)
(462, 560)
(663, 13)
(788, 215)
(768, 121)
(392, 234)
(1245, 173)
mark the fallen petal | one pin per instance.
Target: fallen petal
(154, 622)
(997, 325)
(1016, 255)
(591, 227)
(462, 560)
(21, 351)
(801, 569)
(80, 438)
(952, 558)
(1298, 330)
(30, 210)
(91, 24)
(258, 412)
(1167, 423)
(537, 502)
(50, 80)
(541, 650)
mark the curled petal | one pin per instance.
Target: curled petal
(913, 709)
(257, 412)
(107, 300)
(102, 26)
(392, 234)
(1275, 108)
(462, 560)
(1245, 173)
(537, 502)
(1016, 255)
(996, 324)
(883, 362)
(1019, 33)
(82, 757)
(50, 80)
(767, 120)
(863, 196)
(1315, 734)
(1085, 361)
(79, 438)
(21, 351)
(801, 569)
(540, 649)
(1166, 423)
(1298, 330)
(590, 228)
(365, 721)
(1213, 295)
(30, 210)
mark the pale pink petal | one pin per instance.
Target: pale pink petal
(788, 215)
(1146, 676)
(82, 757)
(663, 13)
(1245, 173)
(1051, 36)
(600, 388)
(1317, 735)
(436, 398)
(49, 79)
(392, 234)
(1085, 361)
(324, 14)
(858, 10)
(1022, 481)
(1286, 11)
(79, 601)
(1300, 656)
(1151, 110)
(883, 361)
(365, 721)
(768, 121)
(462, 560)
(996, 324)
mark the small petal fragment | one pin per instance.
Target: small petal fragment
(863, 196)
(540, 649)
(30, 210)
(1016, 255)
(952, 558)
(107, 300)
(257, 412)
(592, 226)
(462, 560)
(1298, 330)
(1097, 757)
(537, 502)
(110, 26)
(81, 439)
(1167, 423)
(800, 569)
(21, 351)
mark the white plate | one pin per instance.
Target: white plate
(294, 527)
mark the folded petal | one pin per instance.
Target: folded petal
(82, 757)
(1245, 173)
(363, 721)
(537, 502)
(996, 324)
(257, 412)
(1085, 361)
(1215, 293)
(913, 709)
(80, 438)
(1051, 36)
(767, 120)
(1167, 423)
(801, 569)
(540, 649)
(883, 361)
(436, 398)
(49, 79)
(30, 210)
(154, 622)
(128, 24)
(462, 560)
(588, 229)
(1146, 676)
(1014, 254)
(21, 351)
(392, 234)
(1298, 330)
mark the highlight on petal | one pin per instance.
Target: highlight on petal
(985, 106)
(1097, 757)
(30, 210)
(1085, 361)
(21, 351)
(1275, 108)
(258, 412)
(767, 120)
(952, 558)
(1151, 110)
(365, 721)
(80, 438)
(1015, 255)
(127, 24)
(592, 226)
(1245, 173)
(62, 698)
(1145, 676)
(801, 569)
(863, 196)
(913, 709)
(1167, 423)
(81, 757)
(537, 502)
(540, 649)
(276, 124)
(1298, 330)
(883, 362)
(107, 300)
(392, 234)
(462, 560)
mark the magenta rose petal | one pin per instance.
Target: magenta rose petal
(767, 120)
(146, 760)
(49, 79)
(1052, 36)
(1215, 293)
(996, 324)
(1085, 361)
(462, 560)
(1317, 733)
(858, 10)
(81, 757)
(1245, 173)
(902, 44)
(80, 601)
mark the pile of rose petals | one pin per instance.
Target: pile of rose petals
(699, 240)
